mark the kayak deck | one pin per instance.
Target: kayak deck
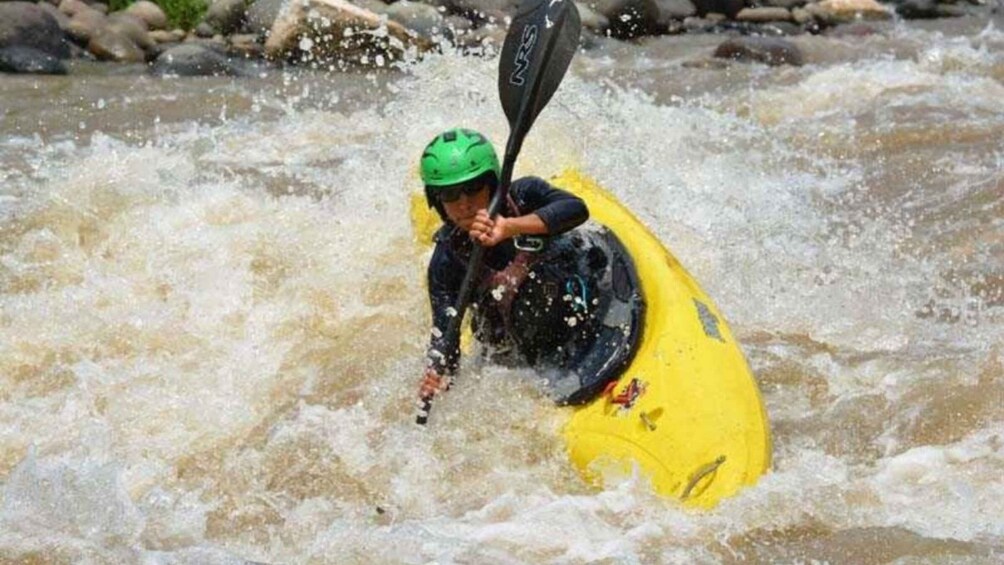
(687, 411)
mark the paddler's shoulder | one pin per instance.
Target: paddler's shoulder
(529, 183)
(526, 190)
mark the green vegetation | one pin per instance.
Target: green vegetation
(184, 14)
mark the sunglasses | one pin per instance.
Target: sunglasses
(452, 193)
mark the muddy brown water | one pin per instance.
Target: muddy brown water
(212, 313)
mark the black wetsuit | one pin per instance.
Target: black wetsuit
(560, 212)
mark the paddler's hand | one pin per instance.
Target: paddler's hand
(489, 232)
(431, 385)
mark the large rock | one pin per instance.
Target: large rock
(72, 7)
(802, 16)
(226, 16)
(763, 15)
(418, 17)
(23, 24)
(165, 36)
(85, 24)
(337, 31)
(150, 13)
(629, 18)
(728, 7)
(927, 9)
(26, 60)
(192, 59)
(62, 19)
(109, 45)
(261, 15)
(843, 11)
(131, 27)
(768, 50)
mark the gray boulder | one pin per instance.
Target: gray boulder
(150, 13)
(337, 31)
(226, 16)
(163, 36)
(23, 24)
(768, 50)
(802, 16)
(193, 59)
(727, 7)
(831, 12)
(917, 9)
(110, 45)
(763, 15)
(26, 60)
(131, 27)
(85, 24)
(62, 19)
(72, 7)
(927, 9)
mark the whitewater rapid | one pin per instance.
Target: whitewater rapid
(212, 311)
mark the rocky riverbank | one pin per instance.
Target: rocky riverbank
(336, 34)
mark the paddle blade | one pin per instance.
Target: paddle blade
(538, 48)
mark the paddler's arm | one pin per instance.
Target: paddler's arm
(490, 232)
(443, 356)
(552, 211)
(559, 210)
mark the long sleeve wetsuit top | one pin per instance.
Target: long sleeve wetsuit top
(560, 211)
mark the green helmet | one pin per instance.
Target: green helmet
(456, 156)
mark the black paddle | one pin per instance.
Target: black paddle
(538, 48)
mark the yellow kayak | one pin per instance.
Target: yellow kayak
(686, 412)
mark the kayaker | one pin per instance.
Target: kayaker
(547, 282)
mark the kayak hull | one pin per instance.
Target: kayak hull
(690, 416)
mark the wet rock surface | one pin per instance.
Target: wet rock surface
(767, 50)
(352, 33)
(193, 59)
(24, 24)
(26, 60)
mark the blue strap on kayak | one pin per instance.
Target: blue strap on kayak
(580, 299)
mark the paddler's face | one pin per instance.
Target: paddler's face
(462, 210)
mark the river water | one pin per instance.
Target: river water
(213, 313)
